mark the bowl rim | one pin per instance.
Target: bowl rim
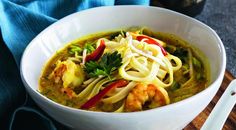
(172, 105)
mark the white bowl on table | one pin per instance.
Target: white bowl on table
(170, 117)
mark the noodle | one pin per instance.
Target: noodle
(128, 72)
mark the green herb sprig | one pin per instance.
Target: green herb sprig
(105, 66)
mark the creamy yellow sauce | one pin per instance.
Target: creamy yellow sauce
(53, 91)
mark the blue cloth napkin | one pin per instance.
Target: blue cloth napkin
(20, 22)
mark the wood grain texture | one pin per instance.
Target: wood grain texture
(230, 123)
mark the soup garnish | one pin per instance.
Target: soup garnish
(124, 71)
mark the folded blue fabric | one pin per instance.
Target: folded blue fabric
(20, 22)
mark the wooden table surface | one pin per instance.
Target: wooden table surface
(230, 123)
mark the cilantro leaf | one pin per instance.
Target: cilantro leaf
(108, 63)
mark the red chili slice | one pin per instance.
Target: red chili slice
(95, 99)
(151, 41)
(95, 55)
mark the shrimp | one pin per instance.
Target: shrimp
(158, 96)
(70, 73)
(141, 94)
(136, 98)
(58, 72)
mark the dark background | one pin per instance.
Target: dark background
(220, 15)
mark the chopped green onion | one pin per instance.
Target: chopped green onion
(182, 53)
(112, 36)
(199, 76)
(196, 63)
(170, 48)
(89, 47)
(75, 48)
(175, 85)
(123, 33)
(185, 67)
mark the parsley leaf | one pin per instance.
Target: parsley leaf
(105, 66)
(98, 72)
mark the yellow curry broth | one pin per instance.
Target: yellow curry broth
(53, 91)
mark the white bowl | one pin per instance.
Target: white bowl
(170, 117)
